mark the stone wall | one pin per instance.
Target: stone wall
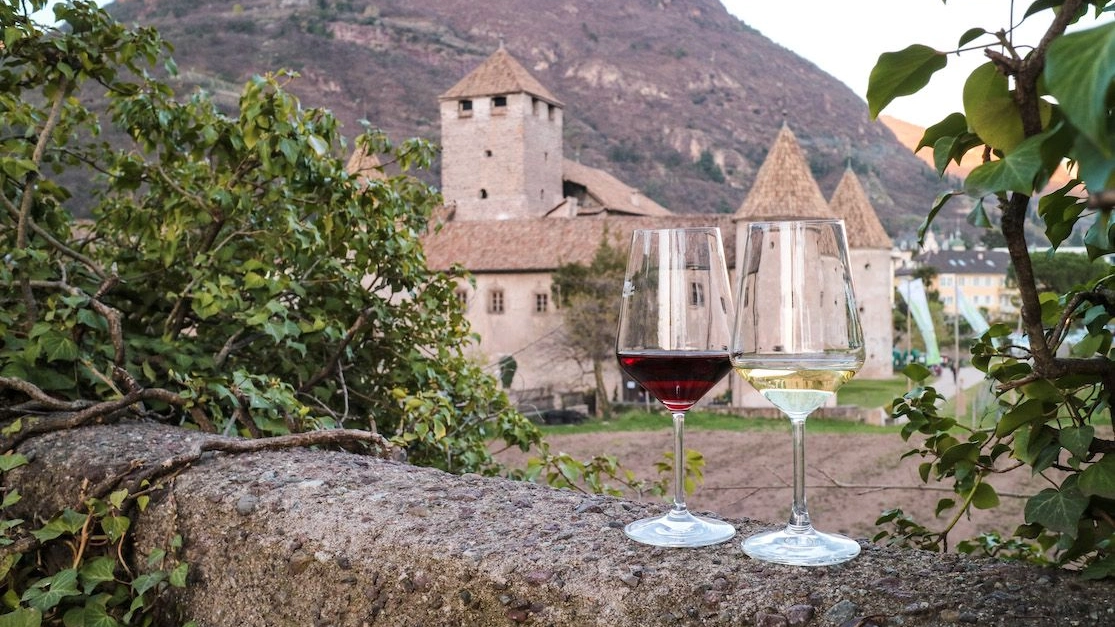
(306, 538)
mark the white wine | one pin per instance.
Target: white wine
(798, 391)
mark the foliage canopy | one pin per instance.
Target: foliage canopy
(1032, 106)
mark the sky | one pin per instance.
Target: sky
(845, 38)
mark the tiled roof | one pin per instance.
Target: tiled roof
(609, 193)
(535, 245)
(849, 201)
(784, 188)
(966, 261)
(499, 74)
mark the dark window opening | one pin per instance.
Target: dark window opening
(483, 194)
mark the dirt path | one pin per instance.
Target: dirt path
(748, 475)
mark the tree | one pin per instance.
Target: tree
(587, 295)
(1030, 107)
(234, 278)
(1062, 272)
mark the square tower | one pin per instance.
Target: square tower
(501, 142)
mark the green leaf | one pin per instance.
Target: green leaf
(22, 617)
(48, 592)
(1076, 440)
(1098, 479)
(916, 372)
(901, 73)
(145, 582)
(10, 460)
(1017, 172)
(178, 575)
(1079, 71)
(978, 216)
(1057, 509)
(96, 571)
(58, 346)
(115, 527)
(985, 497)
(954, 125)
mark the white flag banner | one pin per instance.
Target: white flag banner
(971, 313)
(913, 292)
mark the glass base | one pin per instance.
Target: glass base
(679, 529)
(801, 547)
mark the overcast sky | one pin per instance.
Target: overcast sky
(845, 38)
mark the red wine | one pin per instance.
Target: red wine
(676, 378)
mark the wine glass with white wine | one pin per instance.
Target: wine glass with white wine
(674, 326)
(796, 339)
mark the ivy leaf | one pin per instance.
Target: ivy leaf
(11, 460)
(992, 113)
(954, 125)
(901, 73)
(59, 347)
(1079, 70)
(1017, 172)
(48, 592)
(1076, 440)
(1057, 509)
(22, 617)
(1099, 478)
(985, 497)
(1059, 211)
(96, 571)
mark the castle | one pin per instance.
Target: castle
(517, 210)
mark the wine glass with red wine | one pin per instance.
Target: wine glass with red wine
(796, 339)
(674, 329)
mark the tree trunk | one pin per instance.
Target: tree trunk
(603, 403)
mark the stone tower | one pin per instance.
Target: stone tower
(501, 136)
(872, 272)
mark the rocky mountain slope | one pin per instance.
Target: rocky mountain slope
(675, 97)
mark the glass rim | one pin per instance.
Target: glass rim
(751, 223)
(696, 229)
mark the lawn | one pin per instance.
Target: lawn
(705, 420)
(869, 393)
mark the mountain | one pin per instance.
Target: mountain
(675, 97)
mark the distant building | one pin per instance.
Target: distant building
(980, 276)
(516, 210)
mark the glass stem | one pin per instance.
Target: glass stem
(799, 515)
(679, 463)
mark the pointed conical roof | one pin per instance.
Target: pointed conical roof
(849, 202)
(784, 188)
(364, 165)
(499, 74)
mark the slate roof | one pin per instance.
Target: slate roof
(541, 245)
(784, 187)
(966, 261)
(499, 74)
(861, 223)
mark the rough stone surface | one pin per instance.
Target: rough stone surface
(319, 538)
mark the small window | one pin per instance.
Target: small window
(499, 105)
(535, 106)
(495, 302)
(487, 153)
(464, 108)
(696, 295)
(483, 194)
(553, 112)
(541, 302)
(462, 298)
